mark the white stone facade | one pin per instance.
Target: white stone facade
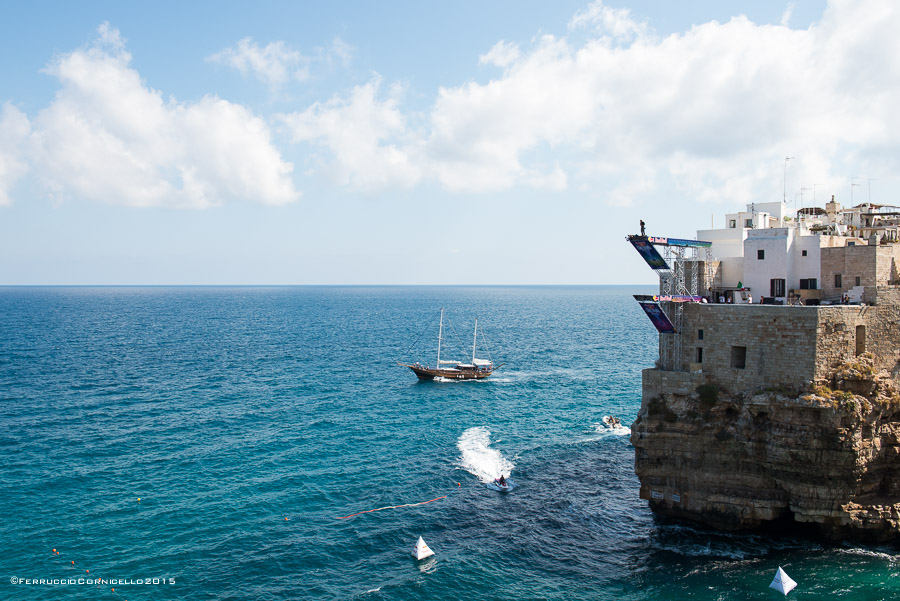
(777, 253)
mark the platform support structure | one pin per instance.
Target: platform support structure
(675, 282)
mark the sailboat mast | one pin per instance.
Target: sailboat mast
(440, 333)
(475, 341)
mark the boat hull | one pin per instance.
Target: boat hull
(430, 373)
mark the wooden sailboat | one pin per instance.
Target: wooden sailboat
(454, 370)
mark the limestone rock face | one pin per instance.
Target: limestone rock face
(829, 456)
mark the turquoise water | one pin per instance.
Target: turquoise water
(227, 410)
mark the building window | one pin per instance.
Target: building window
(809, 284)
(776, 287)
(760, 254)
(803, 253)
(739, 357)
(748, 223)
(857, 281)
(732, 223)
(851, 244)
(837, 281)
(699, 334)
(699, 355)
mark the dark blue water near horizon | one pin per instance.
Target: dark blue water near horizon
(248, 420)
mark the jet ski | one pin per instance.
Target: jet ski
(504, 486)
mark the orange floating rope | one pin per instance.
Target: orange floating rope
(396, 506)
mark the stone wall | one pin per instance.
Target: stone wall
(679, 383)
(888, 295)
(784, 346)
(846, 331)
(777, 343)
(875, 266)
(886, 268)
(708, 275)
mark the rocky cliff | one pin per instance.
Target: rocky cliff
(827, 456)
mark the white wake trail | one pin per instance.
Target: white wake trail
(479, 459)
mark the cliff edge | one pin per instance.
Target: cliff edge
(827, 455)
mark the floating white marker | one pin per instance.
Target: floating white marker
(782, 582)
(422, 551)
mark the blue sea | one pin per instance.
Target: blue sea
(209, 443)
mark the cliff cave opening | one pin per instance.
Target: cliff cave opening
(787, 525)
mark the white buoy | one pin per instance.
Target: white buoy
(422, 550)
(782, 582)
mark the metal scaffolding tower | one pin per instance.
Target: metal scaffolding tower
(677, 282)
(676, 287)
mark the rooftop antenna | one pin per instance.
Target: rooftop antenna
(852, 184)
(784, 197)
(801, 197)
(814, 192)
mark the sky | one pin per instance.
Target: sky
(464, 143)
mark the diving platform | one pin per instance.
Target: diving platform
(666, 308)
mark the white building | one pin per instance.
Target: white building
(767, 252)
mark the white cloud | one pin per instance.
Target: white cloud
(232, 154)
(368, 138)
(554, 179)
(340, 50)
(480, 132)
(274, 64)
(106, 136)
(713, 110)
(614, 22)
(786, 15)
(610, 107)
(640, 182)
(110, 38)
(502, 54)
(14, 130)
